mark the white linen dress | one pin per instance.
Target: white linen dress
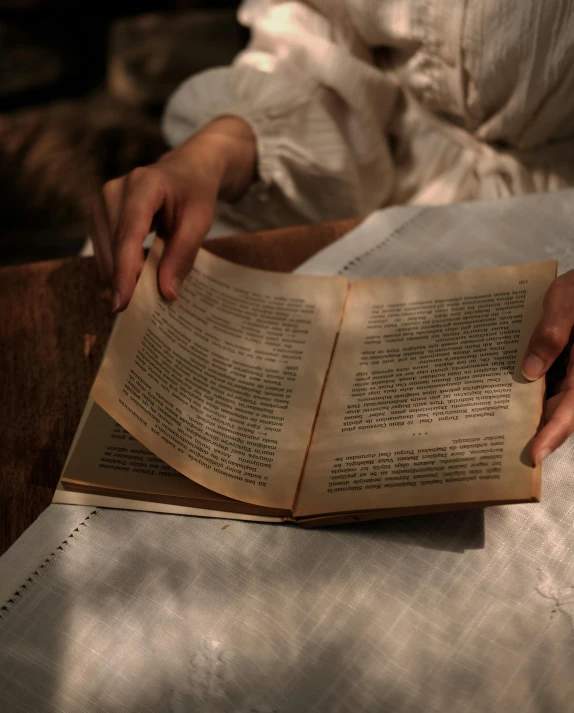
(358, 104)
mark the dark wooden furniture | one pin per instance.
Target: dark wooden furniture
(54, 323)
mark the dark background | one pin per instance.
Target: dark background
(82, 86)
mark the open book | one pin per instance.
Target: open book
(280, 396)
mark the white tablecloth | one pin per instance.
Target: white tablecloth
(469, 612)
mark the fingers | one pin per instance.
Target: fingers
(551, 405)
(180, 252)
(549, 338)
(552, 332)
(560, 425)
(103, 223)
(123, 214)
(143, 196)
(113, 193)
(101, 238)
(560, 418)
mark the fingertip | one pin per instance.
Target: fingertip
(116, 302)
(532, 367)
(175, 286)
(169, 285)
(173, 269)
(123, 289)
(540, 455)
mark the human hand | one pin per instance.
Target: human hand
(181, 189)
(551, 336)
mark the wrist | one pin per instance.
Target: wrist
(228, 148)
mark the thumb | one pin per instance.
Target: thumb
(551, 334)
(182, 248)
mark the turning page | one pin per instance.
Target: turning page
(108, 461)
(425, 403)
(224, 383)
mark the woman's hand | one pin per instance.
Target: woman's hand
(551, 336)
(182, 190)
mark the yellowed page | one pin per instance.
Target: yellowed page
(424, 402)
(223, 384)
(107, 460)
(73, 497)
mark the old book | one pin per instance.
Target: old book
(278, 396)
